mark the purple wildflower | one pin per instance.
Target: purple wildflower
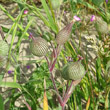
(92, 18)
(106, 1)
(10, 71)
(28, 66)
(30, 35)
(64, 12)
(25, 12)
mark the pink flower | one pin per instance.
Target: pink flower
(25, 12)
(92, 18)
(76, 18)
(64, 12)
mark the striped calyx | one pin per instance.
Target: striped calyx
(101, 27)
(64, 34)
(73, 71)
(3, 48)
(39, 46)
(2, 61)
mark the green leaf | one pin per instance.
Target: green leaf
(51, 21)
(24, 32)
(108, 65)
(1, 75)
(107, 100)
(10, 84)
(98, 72)
(97, 2)
(1, 103)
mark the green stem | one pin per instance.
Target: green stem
(15, 75)
(12, 40)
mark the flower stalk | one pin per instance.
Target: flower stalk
(51, 64)
(61, 38)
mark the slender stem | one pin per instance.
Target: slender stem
(67, 85)
(59, 97)
(63, 92)
(47, 61)
(51, 67)
(66, 89)
(63, 107)
(68, 93)
(70, 90)
(53, 81)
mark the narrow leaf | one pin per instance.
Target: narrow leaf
(51, 21)
(45, 105)
(10, 84)
(1, 103)
(88, 103)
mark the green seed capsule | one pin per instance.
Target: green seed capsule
(39, 46)
(101, 27)
(73, 71)
(3, 48)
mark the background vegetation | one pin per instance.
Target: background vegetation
(93, 92)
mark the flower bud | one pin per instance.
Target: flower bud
(3, 48)
(73, 71)
(64, 34)
(101, 27)
(39, 46)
